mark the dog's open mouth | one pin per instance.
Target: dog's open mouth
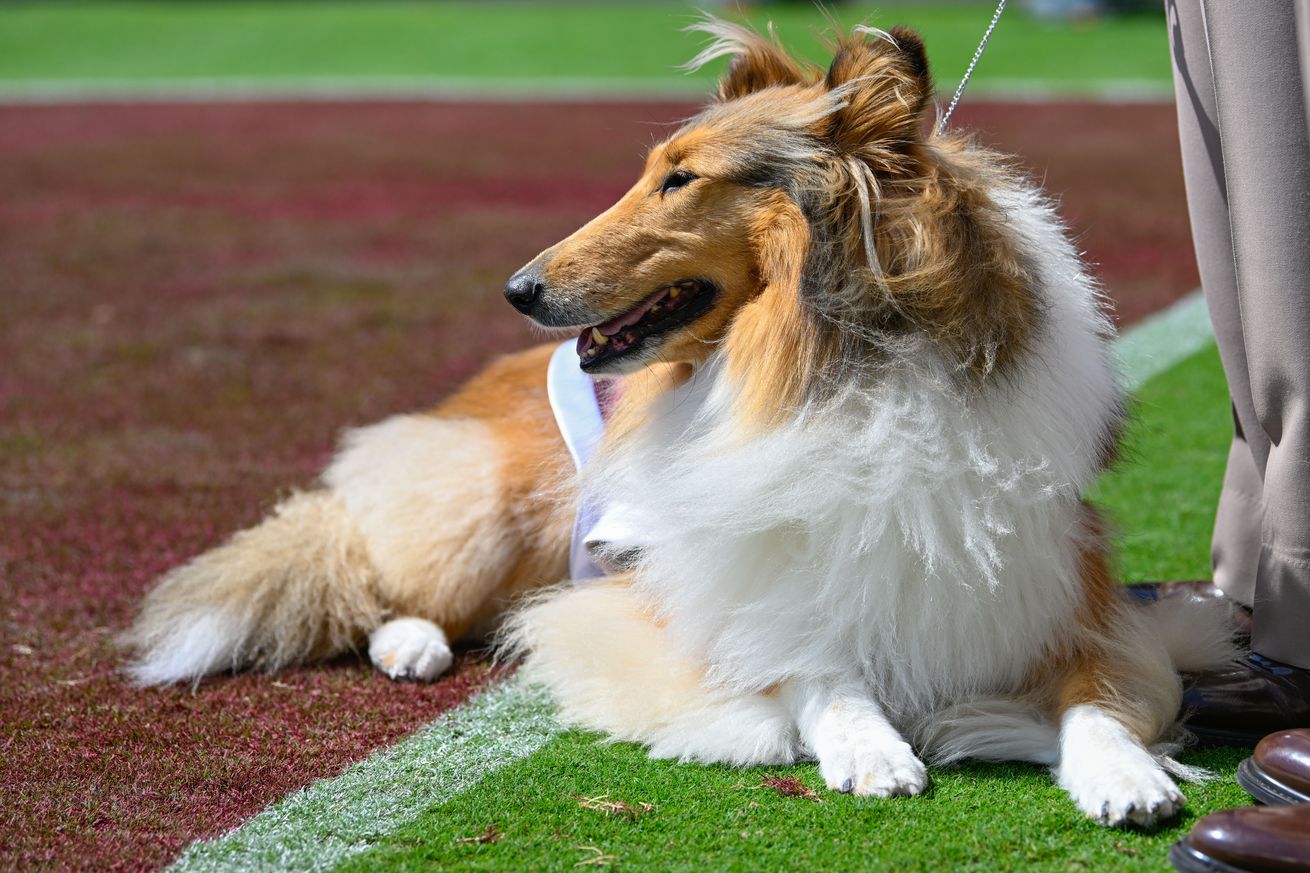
(671, 306)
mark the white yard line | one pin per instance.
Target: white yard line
(1159, 341)
(322, 825)
(508, 90)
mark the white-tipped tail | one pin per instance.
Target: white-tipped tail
(296, 587)
(1196, 631)
(188, 648)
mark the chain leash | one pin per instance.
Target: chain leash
(959, 92)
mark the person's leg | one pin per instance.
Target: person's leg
(1236, 546)
(1260, 100)
(1242, 126)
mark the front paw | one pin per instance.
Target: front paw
(1125, 793)
(410, 648)
(1108, 772)
(866, 759)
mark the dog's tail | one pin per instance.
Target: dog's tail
(611, 667)
(1197, 631)
(298, 586)
(1166, 637)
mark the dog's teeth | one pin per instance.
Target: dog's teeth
(674, 292)
(598, 338)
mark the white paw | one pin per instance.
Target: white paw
(1118, 795)
(862, 756)
(410, 648)
(1109, 775)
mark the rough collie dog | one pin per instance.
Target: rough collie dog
(859, 380)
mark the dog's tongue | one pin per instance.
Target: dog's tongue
(614, 325)
(585, 341)
(632, 316)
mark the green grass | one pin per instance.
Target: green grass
(975, 817)
(1161, 496)
(629, 45)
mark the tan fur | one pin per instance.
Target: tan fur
(764, 63)
(949, 264)
(300, 584)
(943, 258)
(605, 616)
(613, 668)
(777, 345)
(537, 500)
(445, 517)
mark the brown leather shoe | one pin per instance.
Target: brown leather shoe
(1241, 704)
(1254, 839)
(1279, 771)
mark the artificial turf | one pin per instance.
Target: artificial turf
(1161, 494)
(625, 45)
(581, 802)
(548, 813)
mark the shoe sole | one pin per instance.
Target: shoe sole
(1189, 860)
(1266, 788)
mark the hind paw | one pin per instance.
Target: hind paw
(410, 648)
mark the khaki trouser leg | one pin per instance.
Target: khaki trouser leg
(1239, 71)
(1235, 549)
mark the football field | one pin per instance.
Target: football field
(200, 290)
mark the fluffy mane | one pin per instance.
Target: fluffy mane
(887, 232)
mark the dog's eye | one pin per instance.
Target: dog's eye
(675, 180)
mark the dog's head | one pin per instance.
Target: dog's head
(801, 209)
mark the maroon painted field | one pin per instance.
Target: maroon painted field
(195, 300)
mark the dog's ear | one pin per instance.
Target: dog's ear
(883, 80)
(758, 62)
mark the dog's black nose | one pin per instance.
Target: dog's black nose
(524, 289)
